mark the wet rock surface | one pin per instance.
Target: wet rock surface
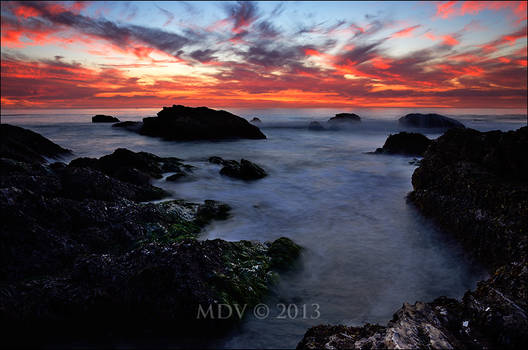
(430, 120)
(83, 259)
(201, 123)
(244, 170)
(101, 118)
(27, 146)
(405, 143)
(475, 186)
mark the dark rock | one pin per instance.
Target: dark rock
(283, 253)
(431, 120)
(129, 125)
(405, 143)
(483, 176)
(315, 126)
(256, 120)
(133, 167)
(244, 170)
(27, 146)
(345, 118)
(475, 186)
(101, 118)
(187, 123)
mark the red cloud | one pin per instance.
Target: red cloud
(405, 32)
(448, 9)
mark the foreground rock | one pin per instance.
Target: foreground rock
(81, 257)
(136, 168)
(345, 118)
(475, 186)
(101, 118)
(244, 170)
(431, 120)
(200, 123)
(405, 143)
(27, 146)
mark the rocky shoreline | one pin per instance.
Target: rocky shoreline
(83, 255)
(475, 186)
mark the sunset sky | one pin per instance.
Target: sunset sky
(264, 54)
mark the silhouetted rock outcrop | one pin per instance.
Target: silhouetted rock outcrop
(244, 170)
(101, 118)
(405, 143)
(345, 118)
(431, 120)
(27, 146)
(133, 167)
(188, 123)
(256, 120)
(475, 186)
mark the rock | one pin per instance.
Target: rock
(345, 118)
(315, 126)
(256, 120)
(128, 125)
(80, 257)
(133, 167)
(475, 186)
(405, 143)
(188, 123)
(244, 170)
(430, 120)
(27, 146)
(283, 252)
(101, 118)
(485, 177)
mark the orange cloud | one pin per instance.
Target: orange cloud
(405, 32)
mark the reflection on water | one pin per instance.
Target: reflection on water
(366, 249)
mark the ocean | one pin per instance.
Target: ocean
(366, 250)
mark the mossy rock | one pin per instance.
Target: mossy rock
(283, 252)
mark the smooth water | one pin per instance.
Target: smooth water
(366, 249)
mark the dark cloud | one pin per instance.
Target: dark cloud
(203, 55)
(243, 14)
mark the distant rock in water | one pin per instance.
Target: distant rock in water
(244, 170)
(27, 146)
(256, 120)
(431, 120)
(200, 123)
(129, 125)
(315, 126)
(405, 143)
(345, 118)
(101, 118)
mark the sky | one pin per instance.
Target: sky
(458, 54)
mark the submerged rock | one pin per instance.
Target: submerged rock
(475, 186)
(405, 143)
(283, 252)
(244, 170)
(345, 118)
(101, 118)
(315, 126)
(430, 120)
(129, 125)
(256, 120)
(188, 123)
(27, 146)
